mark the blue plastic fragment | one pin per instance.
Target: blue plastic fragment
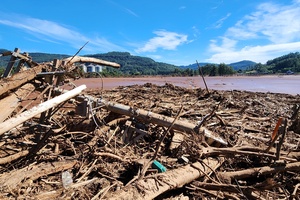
(157, 165)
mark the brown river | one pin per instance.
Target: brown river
(288, 84)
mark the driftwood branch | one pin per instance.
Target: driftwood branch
(13, 157)
(260, 171)
(72, 60)
(242, 151)
(151, 187)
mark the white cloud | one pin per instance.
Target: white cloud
(56, 33)
(220, 22)
(255, 53)
(275, 23)
(218, 5)
(131, 12)
(227, 45)
(276, 26)
(121, 7)
(164, 40)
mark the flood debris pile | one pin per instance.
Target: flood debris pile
(61, 141)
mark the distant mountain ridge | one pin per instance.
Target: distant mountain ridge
(120, 56)
(138, 65)
(242, 65)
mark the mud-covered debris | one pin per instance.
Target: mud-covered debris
(212, 145)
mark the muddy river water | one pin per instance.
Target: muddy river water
(288, 84)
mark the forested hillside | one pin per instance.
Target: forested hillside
(136, 65)
(282, 64)
(242, 65)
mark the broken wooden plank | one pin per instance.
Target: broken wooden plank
(151, 187)
(19, 79)
(10, 103)
(11, 63)
(12, 122)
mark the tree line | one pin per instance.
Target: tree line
(282, 64)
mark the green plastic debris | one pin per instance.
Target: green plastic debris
(157, 165)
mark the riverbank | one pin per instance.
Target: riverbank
(286, 84)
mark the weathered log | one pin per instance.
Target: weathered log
(19, 79)
(151, 187)
(259, 171)
(75, 59)
(161, 120)
(12, 122)
(13, 178)
(10, 103)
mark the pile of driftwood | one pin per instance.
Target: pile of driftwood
(62, 141)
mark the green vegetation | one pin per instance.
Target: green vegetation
(135, 65)
(217, 70)
(242, 65)
(283, 64)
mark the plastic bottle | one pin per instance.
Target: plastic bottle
(67, 179)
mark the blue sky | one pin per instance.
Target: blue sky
(178, 32)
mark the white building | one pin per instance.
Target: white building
(90, 67)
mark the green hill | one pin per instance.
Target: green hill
(282, 64)
(242, 65)
(136, 65)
